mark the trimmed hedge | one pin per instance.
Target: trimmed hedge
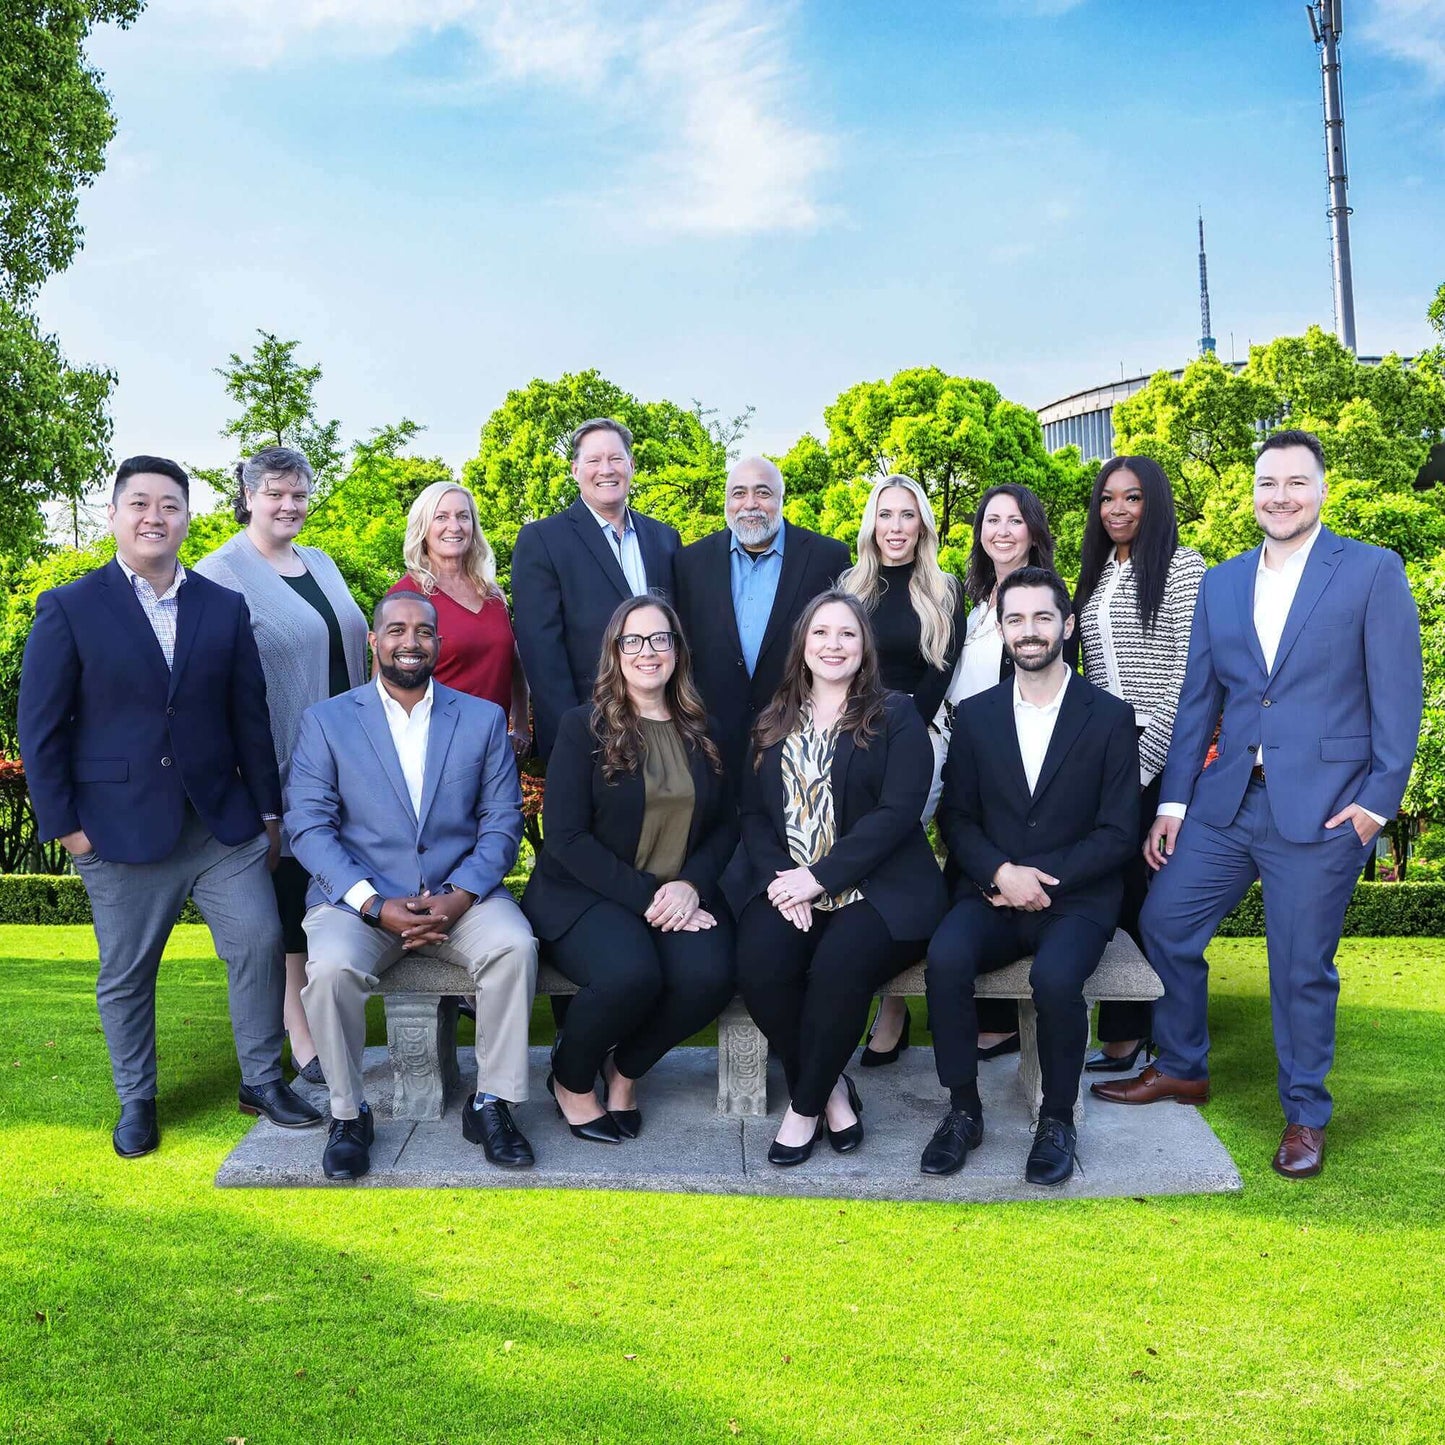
(1378, 910)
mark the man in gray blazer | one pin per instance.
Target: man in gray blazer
(404, 806)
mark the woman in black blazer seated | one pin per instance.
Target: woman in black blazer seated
(842, 888)
(638, 824)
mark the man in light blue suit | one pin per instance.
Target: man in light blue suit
(404, 806)
(1309, 646)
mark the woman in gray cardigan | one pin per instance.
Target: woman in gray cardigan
(312, 639)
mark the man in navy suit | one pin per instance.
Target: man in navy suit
(1310, 647)
(739, 591)
(403, 803)
(571, 570)
(147, 747)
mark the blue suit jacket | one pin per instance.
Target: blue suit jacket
(114, 743)
(1339, 716)
(566, 584)
(349, 815)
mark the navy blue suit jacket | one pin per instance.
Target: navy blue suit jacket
(566, 584)
(1339, 715)
(114, 743)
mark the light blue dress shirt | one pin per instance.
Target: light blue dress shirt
(755, 584)
(626, 549)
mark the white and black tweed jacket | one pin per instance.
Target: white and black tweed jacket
(1150, 662)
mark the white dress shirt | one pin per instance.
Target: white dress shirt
(981, 656)
(410, 733)
(625, 548)
(1034, 724)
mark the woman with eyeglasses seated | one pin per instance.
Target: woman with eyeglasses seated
(638, 824)
(842, 889)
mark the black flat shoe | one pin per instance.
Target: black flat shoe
(278, 1102)
(872, 1058)
(1009, 1045)
(348, 1146)
(1103, 1063)
(955, 1136)
(1051, 1160)
(629, 1121)
(137, 1132)
(312, 1072)
(601, 1130)
(845, 1141)
(786, 1155)
(493, 1128)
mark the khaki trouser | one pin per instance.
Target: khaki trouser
(345, 956)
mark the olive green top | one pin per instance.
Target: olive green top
(667, 814)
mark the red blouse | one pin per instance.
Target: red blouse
(477, 647)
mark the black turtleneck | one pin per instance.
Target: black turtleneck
(896, 629)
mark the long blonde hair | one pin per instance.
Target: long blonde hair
(932, 591)
(479, 564)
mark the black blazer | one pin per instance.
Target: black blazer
(115, 742)
(880, 849)
(1081, 824)
(566, 584)
(811, 564)
(591, 828)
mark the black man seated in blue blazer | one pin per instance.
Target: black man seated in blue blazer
(739, 591)
(147, 747)
(839, 888)
(571, 570)
(1040, 814)
(639, 823)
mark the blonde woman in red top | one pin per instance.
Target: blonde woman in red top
(450, 561)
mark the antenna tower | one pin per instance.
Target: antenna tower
(1326, 25)
(1206, 336)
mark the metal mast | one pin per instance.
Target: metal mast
(1326, 24)
(1206, 338)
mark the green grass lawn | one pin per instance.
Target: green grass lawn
(138, 1303)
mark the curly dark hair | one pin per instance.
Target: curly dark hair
(862, 714)
(614, 720)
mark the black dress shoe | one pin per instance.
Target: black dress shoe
(955, 1136)
(1106, 1063)
(629, 1121)
(137, 1132)
(786, 1155)
(872, 1058)
(348, 1146)
(601, 1130)
(845, 1141)
(493, 1128)
(1009, 1045)
(280, 1103)
(1051, 1160)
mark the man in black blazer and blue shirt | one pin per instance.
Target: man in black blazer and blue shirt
(147, 747)
(739, 591)
(1040, 814)
(570, 571)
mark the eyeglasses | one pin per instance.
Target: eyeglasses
(630, 643)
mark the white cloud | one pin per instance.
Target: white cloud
(1409, 30)
(708, 89)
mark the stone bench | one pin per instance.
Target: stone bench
(421, 1026)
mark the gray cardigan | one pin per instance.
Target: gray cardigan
(291, 636)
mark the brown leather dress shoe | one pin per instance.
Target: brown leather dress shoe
(1152, 1087)
(1301, 1152)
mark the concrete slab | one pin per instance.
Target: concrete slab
(686, 1147)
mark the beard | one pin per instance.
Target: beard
(1038, 661)
(407, 678)
(756, 534)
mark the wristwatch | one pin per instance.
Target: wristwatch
(371, 910)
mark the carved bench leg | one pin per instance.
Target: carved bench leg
(742, 1064)
(421, 1037)
(1031, 1078)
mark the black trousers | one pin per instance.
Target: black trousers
(640, 989)
(974, 938)
(1119, 1022)
(810, 992)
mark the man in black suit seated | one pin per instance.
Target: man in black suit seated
(739, 591)
(1040, 814)
(570, 571)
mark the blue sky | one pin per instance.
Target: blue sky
(739, 201)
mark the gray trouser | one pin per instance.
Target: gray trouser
(491, 940)
(135, 906)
